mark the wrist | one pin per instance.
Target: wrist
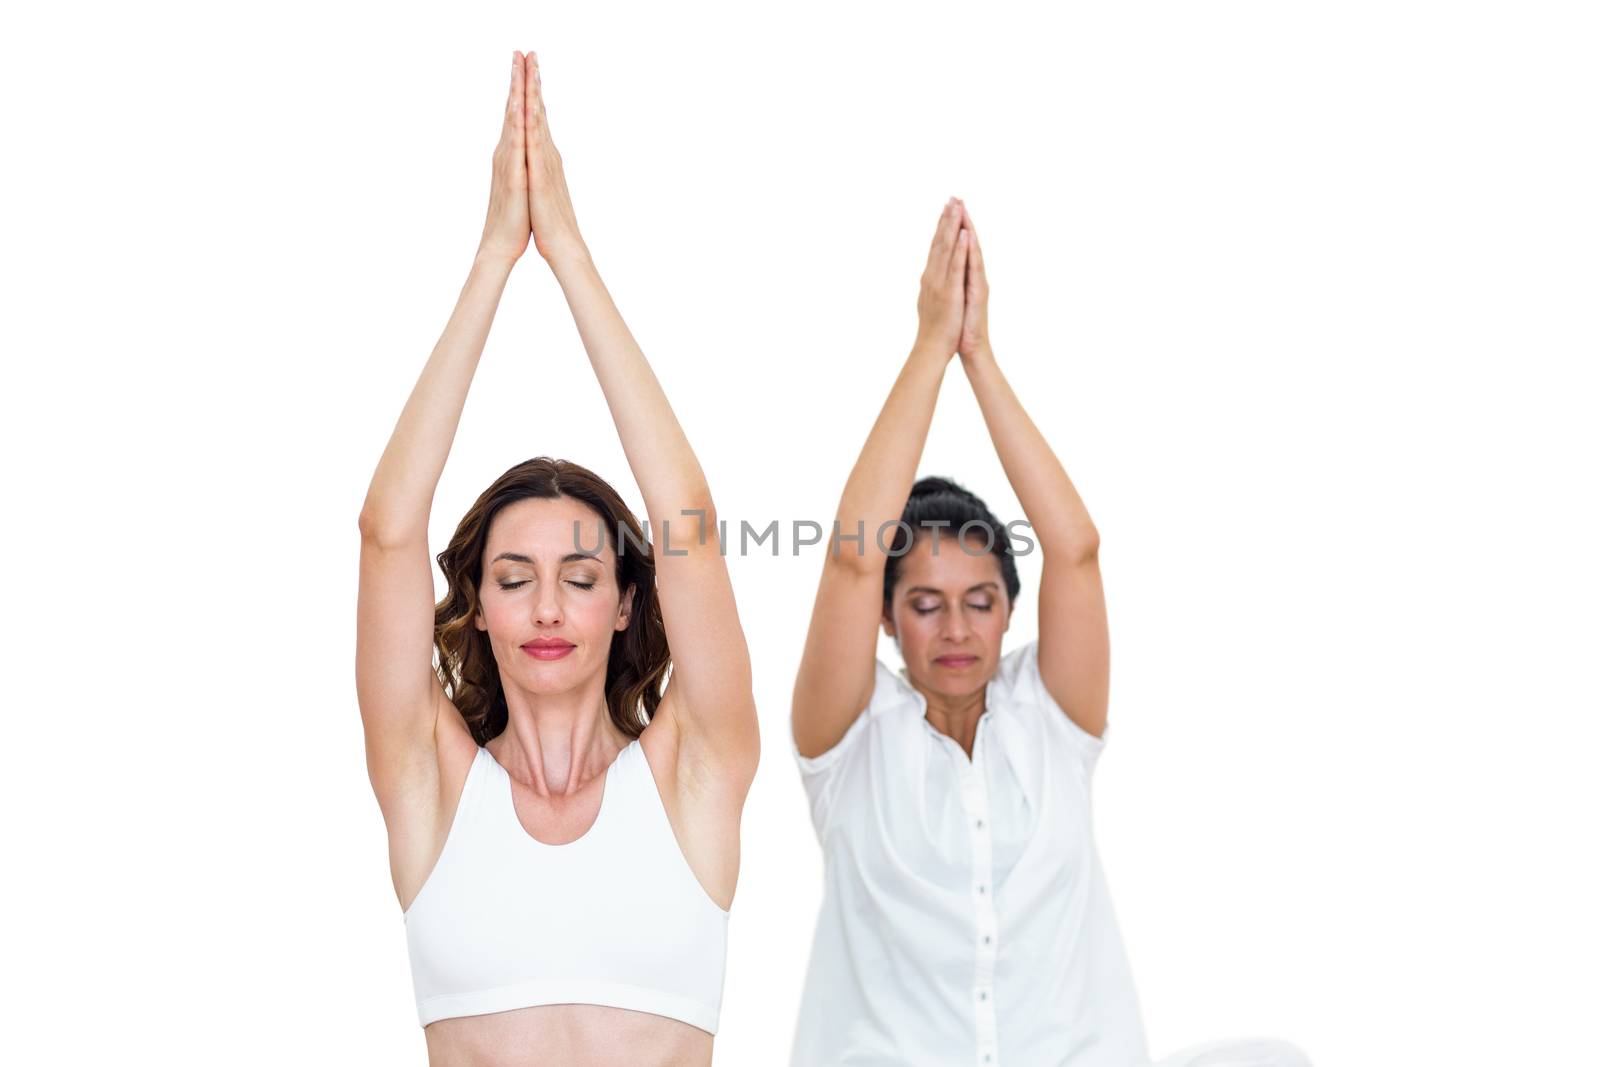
(979, 353)
(490, 260)
(932, 350)
(567, 254)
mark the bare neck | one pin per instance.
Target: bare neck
(555, 742)
(955, 716)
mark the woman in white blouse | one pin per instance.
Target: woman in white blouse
(965, 917)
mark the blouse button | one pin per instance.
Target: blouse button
(987, 939)
(980, 824)
(981, 889)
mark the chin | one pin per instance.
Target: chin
(553, 676)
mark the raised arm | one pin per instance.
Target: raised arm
(709, 697)
(399, 693)
(1074, 645)
(835, 679)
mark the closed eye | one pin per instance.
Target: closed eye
(518, 585)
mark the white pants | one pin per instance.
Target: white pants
(1238, 1052)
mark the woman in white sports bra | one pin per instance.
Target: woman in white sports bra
(563, 834)
(966, 921)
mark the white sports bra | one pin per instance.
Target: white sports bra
(616, 917)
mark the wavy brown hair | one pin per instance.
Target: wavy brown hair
(639, 655)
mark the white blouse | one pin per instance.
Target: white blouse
(965, 917)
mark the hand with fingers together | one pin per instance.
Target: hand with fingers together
(506, 229)
(941, 301)
(528, 190)
(555, 224)
(975, 304)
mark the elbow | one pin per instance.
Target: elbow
(847, 558)
(1091, 542)
(690, 524)
(1072, 541)
(1083, 546)
(378, 530)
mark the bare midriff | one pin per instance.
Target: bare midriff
(575, 1035)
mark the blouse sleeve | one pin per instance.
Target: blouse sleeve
(823, 774)
(1030, 689)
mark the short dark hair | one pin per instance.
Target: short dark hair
(940, 500)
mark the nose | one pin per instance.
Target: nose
(547, 604)
(956, 626)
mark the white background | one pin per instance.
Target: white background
(1303, 296)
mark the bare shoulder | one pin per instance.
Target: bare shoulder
(456, 749)
(703, 800)
(420, 816)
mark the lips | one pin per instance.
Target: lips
(547, 648)
(956, 662)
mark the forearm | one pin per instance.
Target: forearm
(881, 480)
(658, 451)
(401, 492)
(1057, 514)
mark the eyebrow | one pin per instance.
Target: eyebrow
(940, 592)
(518, 557)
